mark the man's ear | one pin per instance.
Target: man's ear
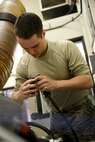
(43, 33)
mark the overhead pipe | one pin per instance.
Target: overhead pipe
(9, 11)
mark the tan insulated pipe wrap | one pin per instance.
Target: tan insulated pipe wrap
(9, 11)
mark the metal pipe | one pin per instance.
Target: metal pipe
(9, 11)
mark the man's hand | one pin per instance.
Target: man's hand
(45, 83)
(27, 89)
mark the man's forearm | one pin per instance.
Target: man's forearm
(76, 83)
(16, 97)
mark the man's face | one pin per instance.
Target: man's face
(35, 45)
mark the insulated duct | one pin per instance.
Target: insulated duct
(9, 11)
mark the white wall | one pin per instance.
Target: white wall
(69, 31)
(76, 28)
(86, 27)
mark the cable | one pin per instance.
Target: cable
(73, 18)
(48, 95)
(41, 127)
(73, 4)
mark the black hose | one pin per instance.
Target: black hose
(48, 95)
(41, 127)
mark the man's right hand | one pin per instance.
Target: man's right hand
(27, 89)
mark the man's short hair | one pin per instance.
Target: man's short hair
(27, 25)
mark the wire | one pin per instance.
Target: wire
(48, 95)
(41, 127)
(73, 4)
(73, 18)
